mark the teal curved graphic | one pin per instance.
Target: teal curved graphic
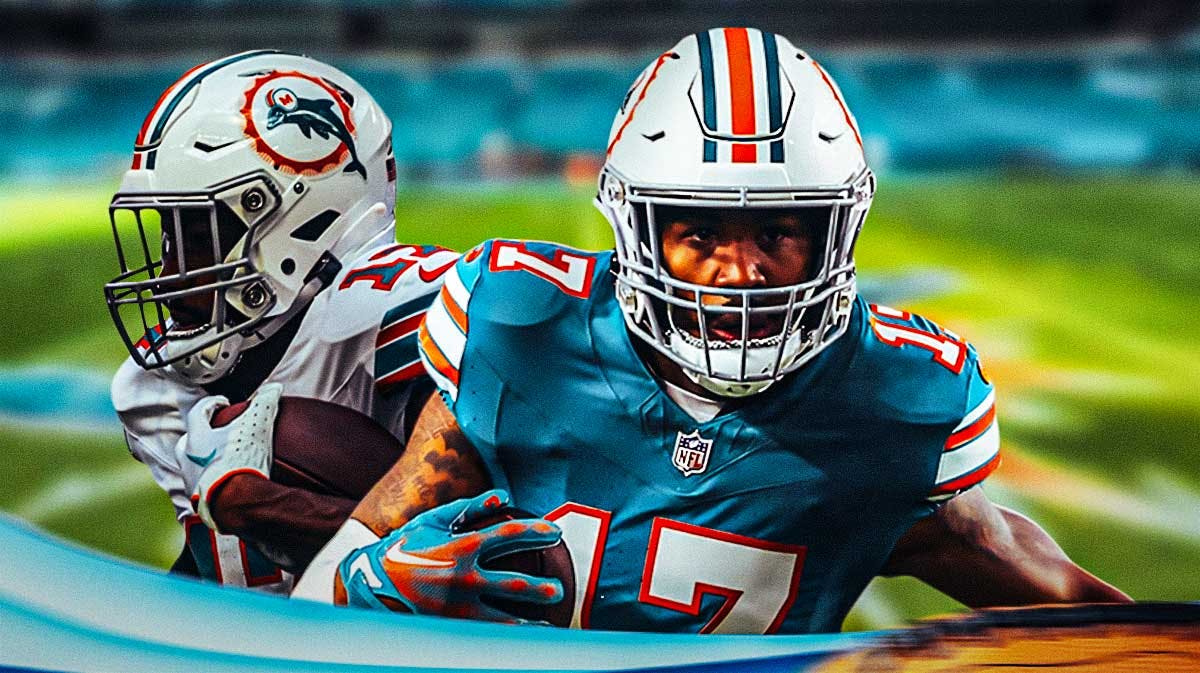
(63, 608)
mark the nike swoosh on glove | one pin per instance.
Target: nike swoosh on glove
(428, 568)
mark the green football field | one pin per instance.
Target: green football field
(1076, 291)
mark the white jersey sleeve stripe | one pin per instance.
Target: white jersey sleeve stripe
(970, 463)
(458, 292)
(445, 333)
(978, 412)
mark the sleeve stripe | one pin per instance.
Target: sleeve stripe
(979, 410)
(972, 431)
(407, 309)
(444, 332)
(396, 355)
(435, 357)
(441, 381)
(410, 371)
(453, 285)
(969, 458)
(969, 479)
(454, 309)
(398, 330)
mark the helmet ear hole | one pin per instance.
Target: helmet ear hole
(288, 266)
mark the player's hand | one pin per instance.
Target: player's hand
(431, 565)
(244, 446)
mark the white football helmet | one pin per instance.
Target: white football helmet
(735, 118)
(254, 178)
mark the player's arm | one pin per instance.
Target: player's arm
(289, 525)
(438, 466)
(410, 542)
(983, 555)
(232, 489)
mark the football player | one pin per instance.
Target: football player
(727, 436)
(256, 239)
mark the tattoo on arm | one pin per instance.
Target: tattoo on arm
(439, 465)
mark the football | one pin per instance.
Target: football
(325, 447)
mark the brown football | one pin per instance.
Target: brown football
(325, 447)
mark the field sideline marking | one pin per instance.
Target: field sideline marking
(1163, 505)
(79, 490)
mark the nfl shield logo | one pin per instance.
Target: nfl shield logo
(691, 452)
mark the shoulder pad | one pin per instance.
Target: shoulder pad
(383, 295)
(930, 375)
(501, 284)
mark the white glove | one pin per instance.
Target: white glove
(202, 443)
(243, 446)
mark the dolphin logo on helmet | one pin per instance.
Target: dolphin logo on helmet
(312, 115)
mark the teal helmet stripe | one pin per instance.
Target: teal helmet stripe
(169, 108)
(708, 81)
(774, 102)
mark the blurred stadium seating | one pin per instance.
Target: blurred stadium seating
(1099, 107)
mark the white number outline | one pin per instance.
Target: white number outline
(947, 351)
(700, 589)
(568, 272)
(587, 576)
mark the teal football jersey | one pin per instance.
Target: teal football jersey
(771, 517)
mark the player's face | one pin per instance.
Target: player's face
(738, 249)
(193, 249)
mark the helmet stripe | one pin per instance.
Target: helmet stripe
(774, 102)
(645, 87)
(833, 90)
(741, 92)
(708, 81)
(181, 89)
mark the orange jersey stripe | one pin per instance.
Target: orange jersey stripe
(452, 307)
(405, 373)
(973, 430)
(431, 350)
(403, 328)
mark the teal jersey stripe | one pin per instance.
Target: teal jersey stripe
(408, 308)
(400, 353)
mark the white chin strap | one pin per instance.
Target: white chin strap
(727, 363)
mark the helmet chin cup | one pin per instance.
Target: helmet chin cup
(721, 371)
(207, 364)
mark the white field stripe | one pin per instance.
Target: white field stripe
(445, 333)
(1162, 504)
(76, 491)
(969, 456)
(978, 412)
(458, 292)
(875, 609)
(442, 382)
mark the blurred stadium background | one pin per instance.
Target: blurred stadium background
(1038, 194)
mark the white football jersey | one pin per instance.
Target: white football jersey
(356, 347)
